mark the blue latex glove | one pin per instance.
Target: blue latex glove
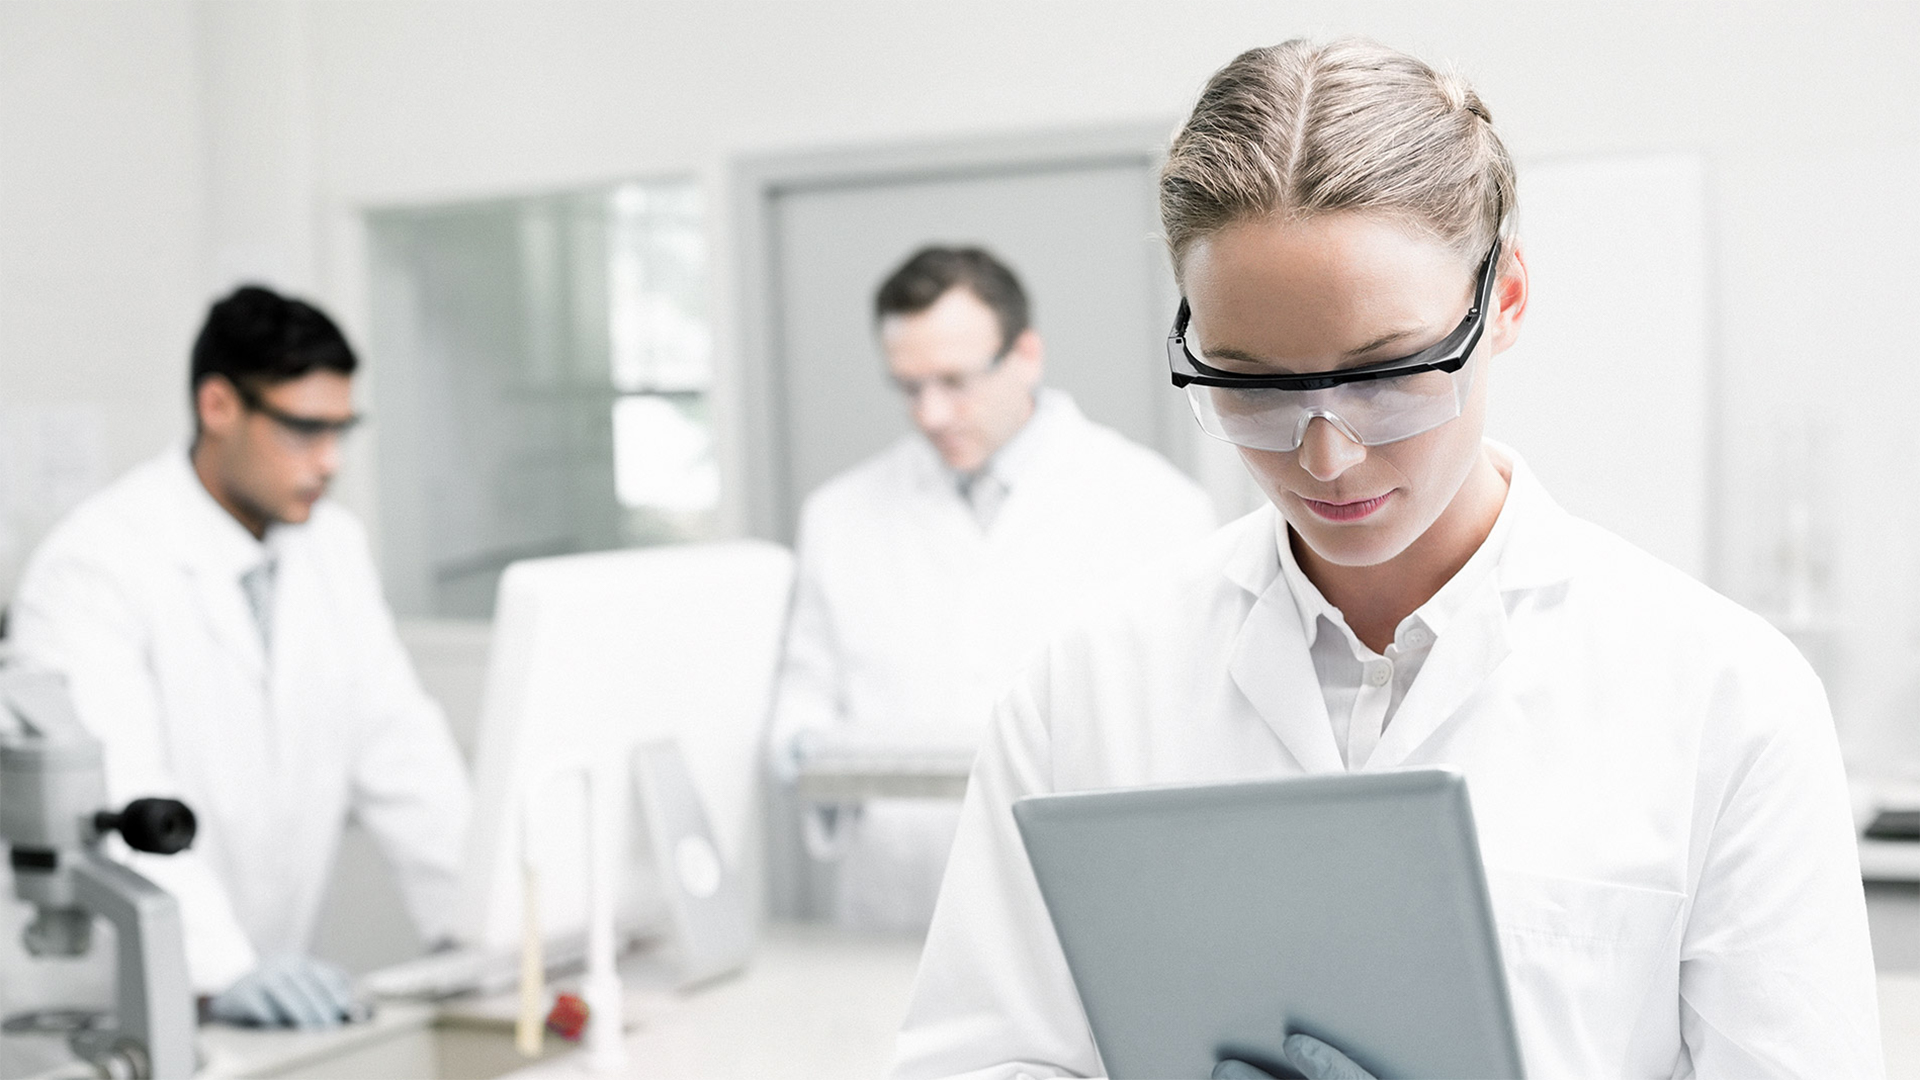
(1315, 1060)
(289, 991)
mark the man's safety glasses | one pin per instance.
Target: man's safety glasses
(1371, 404)
(955, 384)
(301, 430)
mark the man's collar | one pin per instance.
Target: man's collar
(211, 537)
(1053, 411)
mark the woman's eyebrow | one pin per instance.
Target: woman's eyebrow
(1381, 342)
(1231, 353)
(1352, 358)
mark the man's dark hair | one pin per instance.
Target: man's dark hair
(256, 338)
(932, 271)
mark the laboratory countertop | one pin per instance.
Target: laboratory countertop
(816, 1002)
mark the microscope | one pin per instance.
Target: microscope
(53, 794)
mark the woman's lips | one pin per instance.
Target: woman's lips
(1347, 511)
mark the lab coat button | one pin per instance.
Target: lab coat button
(1378, 672)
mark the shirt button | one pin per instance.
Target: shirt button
(1379, 672)
(1416, 637)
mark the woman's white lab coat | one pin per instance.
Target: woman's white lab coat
(136, 597)
(1653, 770)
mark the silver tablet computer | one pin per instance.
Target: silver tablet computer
(1213, 921)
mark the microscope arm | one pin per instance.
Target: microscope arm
(154, 998)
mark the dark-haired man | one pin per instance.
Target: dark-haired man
(929, 572)
(223, 632)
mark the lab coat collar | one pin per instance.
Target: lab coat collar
(1272, 667)
(208, 538)
(216, 550)
(1054, 414)
(1271, 664)
(1053, 411)
(1540, 550)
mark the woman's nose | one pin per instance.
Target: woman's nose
(1326, 451)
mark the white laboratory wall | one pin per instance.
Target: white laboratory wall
(102, 227)
(1805, 117)
(149, 152)
(1615, 348)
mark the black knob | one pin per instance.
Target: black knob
(162, 826)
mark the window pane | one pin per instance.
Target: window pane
(657, 274)
(510, 334)
(663, 454)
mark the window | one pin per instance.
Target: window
(665, 474)
(542, 369)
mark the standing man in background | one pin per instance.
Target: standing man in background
(222, 629)
(928, 573)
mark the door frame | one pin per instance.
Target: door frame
(756, 180)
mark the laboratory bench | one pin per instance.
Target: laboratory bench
(815, 1002)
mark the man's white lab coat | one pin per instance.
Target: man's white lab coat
(136, 597)
(910, 620)
(1654, 774)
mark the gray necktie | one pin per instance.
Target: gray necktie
(257, 583)
(986, 494)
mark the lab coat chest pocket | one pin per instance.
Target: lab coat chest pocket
(1593, 968)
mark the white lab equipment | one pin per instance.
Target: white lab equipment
(53, 816)
(137, 598)
(649, 671)
(604, 996)
(1656, 783)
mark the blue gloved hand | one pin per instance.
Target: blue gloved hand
(1315, 1060)
(289, 991)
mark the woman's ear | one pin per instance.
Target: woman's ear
(1509, 299)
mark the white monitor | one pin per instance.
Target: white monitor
(593, 655)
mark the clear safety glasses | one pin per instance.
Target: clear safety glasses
(1372, 404)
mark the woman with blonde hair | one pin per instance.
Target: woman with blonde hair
(1655, 777)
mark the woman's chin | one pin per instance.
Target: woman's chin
(1352, 545)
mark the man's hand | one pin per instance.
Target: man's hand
(289, 991)
(1315, 1060)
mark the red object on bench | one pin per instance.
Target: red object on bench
(568, 1017)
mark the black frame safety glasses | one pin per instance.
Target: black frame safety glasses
(304, 427)
(1450, 354)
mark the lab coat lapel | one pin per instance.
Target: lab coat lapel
(305, 679)
(214, 562)
(1462, 660)
(213, 551)
(947, 528)
(1271, 666)
(224, 608)
(1468, 652)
